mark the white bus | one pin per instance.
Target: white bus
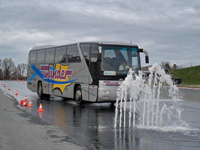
(85, 71)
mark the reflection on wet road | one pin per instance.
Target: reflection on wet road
(88, 125)
(92, 125)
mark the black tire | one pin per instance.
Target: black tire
(112, 105)
(46, 96)
(40, 92)
(78, 96)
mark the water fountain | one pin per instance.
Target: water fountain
(139, 104)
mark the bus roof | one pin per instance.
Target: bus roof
(42, 47)
(89, 42)
(110, 43)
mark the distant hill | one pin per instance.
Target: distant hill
(188, 75)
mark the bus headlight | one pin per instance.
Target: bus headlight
(106, 97)
(105, 92)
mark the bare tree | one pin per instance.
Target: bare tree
(165, 65)
(9, 68)
(21, 70)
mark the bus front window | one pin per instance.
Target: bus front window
(116, 60)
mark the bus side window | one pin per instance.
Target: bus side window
(86, 52)
(32, 57)
(40, 56)
(73, 54)
(50, 55)
(60, 54)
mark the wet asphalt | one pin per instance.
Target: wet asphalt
(20, 130)
(92, 125)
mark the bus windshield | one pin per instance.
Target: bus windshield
(117, 60)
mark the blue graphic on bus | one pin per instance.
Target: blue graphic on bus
(38, 72)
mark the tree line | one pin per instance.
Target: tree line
(8, 69)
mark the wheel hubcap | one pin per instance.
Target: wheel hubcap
(78, 94)
(39, 90)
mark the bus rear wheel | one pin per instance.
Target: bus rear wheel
(78, 96)
(40, 91)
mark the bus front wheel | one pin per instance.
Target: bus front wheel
(40, 91)
(78, 96)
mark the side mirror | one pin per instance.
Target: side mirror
(146, 54)
(147, 59)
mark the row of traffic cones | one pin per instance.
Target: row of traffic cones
(9, 88)
(3, 85)
(19, 81)
(25, 103)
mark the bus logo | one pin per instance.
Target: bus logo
(58, 76)
(55, 74)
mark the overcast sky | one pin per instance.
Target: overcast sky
(169, 30)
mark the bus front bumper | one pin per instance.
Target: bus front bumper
(107, 94)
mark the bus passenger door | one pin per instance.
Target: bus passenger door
(93, 93)
(45, 84)
(94, 70)
(49, 60)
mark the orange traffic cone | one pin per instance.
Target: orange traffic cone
(25, 103)
(16, 93)
(30, 103)
(8, 88)
(40, 108)
(21, 102)
(25, 98)
(4, 85)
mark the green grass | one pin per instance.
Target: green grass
(188, 75)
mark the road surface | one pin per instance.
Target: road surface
(63, 124)
(20, 130)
